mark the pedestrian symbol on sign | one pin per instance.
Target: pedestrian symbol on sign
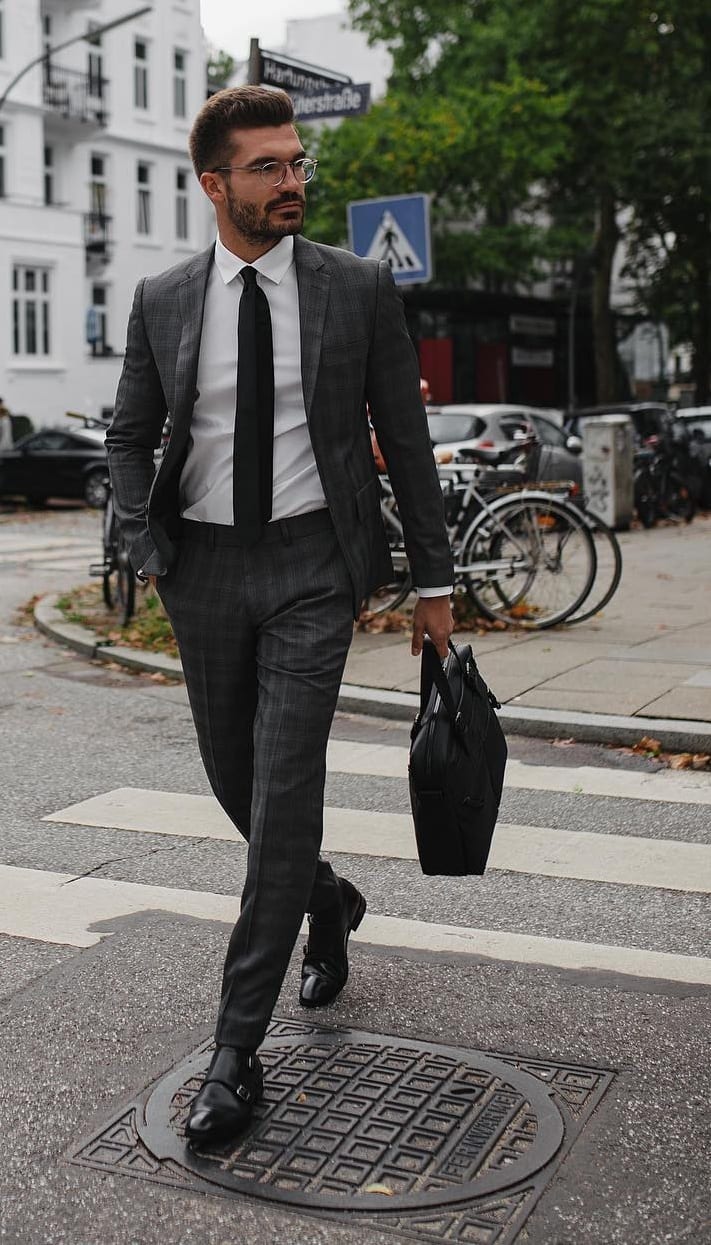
(391, 244)
(394, 230)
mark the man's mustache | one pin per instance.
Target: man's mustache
(289, 197)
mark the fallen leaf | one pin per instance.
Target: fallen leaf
(646, 744)
(681, 760)
(380, 1188)
(563, 743)
(701, 760)
(301, 1097)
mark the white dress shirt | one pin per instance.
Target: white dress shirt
(206, 479)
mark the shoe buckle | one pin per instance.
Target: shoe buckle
(243, 1093)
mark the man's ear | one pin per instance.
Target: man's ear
(213, 187)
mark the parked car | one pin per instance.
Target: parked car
(56, 462)
(494, 432)
(649, 419)
(487, 427)
(696, 424)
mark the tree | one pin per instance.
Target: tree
(605, 59)
(220, 68)
(479, 152)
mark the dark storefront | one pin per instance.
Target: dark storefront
(481, 347)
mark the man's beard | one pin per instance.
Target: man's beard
(255, 224)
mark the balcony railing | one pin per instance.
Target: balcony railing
(75, 96)
(97, 237)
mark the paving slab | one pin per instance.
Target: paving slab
(681, 702)
(623, 701)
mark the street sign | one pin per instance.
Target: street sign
(395, 229)
(295, 76)
(341, 101)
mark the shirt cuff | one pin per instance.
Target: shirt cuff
(435, 592)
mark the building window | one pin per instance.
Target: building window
(180, 105)
(143, 202)
(181, 204)
(96, 319)
(2, 161)
(94, 64)
(140, 73)
(30, 310)
(97, 185)
(49, 196)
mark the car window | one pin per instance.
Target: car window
(509, 426)
(50, 441)
(444, 427)
(699, 425)
(548, 433)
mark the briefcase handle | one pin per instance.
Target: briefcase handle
(431, 672)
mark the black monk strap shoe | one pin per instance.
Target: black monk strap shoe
(324, 972)
(223, 1107)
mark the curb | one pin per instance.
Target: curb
(675, 735)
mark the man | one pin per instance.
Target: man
(262, 533)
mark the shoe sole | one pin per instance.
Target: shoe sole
(354, 923)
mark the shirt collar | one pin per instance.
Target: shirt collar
(274, 264)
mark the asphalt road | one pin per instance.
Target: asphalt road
(586, 946)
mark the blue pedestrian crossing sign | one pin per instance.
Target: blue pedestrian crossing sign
(395, 229)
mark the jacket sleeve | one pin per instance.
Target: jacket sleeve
(133, 437)
(398, 416)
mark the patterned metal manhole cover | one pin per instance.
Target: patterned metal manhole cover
(404, 1132)
(341, 1116)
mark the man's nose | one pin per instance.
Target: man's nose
(290, 172)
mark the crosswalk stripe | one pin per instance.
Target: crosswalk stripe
(60, 908)
(621, 859)
(52, 555)
(666, 786)
(25, 544)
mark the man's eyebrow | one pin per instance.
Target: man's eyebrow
(300, 155)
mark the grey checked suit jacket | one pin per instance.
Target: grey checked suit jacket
(355, 348)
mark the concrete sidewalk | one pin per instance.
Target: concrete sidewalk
(642, 667)
(648, 654)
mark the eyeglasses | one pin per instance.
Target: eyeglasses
(273, 173)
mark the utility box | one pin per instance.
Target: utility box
(608, 467)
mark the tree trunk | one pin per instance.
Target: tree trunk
(702, 336)
(605, 245)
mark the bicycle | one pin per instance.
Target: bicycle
(118, 581)
(526, 552)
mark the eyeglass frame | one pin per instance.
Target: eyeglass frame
(259, 168)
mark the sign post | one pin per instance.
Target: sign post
(395, 229)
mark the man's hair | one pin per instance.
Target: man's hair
(236, 108)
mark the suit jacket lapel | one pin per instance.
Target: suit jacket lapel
(191, 298)
(313, 281)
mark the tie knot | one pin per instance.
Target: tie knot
(248, 275)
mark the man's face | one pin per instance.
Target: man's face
(259, 211)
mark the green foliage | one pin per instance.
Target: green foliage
(220, 67)
(477, 152)
(628, 85)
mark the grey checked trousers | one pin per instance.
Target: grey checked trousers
(263, 634)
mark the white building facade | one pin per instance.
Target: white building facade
(96, 189)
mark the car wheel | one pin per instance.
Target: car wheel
(96, 489)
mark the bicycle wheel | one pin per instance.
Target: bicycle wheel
(389, 596)
(608, 562)
(109, 537)
(125, 586)
(531, 560)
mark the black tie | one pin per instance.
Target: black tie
(254, 423)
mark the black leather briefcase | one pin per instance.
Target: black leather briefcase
(457, 761)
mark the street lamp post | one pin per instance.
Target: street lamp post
(88, 34)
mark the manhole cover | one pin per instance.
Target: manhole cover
(425, 1138)
(344, 1115)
